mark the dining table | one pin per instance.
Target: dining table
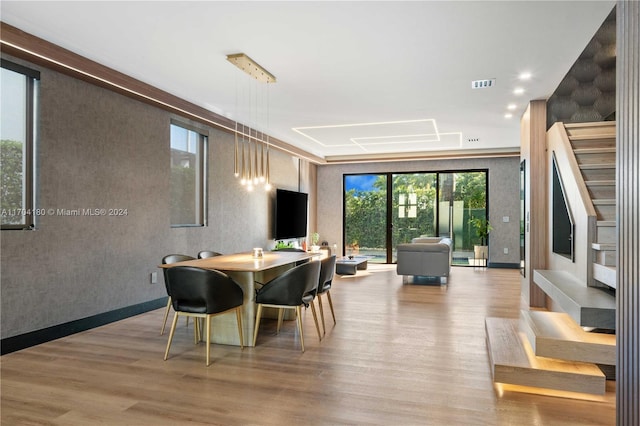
(250, 272)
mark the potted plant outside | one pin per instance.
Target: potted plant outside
(315, 238)
(482, 228)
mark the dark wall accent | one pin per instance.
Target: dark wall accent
(588, 91)
(22, 341)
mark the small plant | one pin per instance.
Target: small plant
(282, 245)
(482, 227)
(315, 238)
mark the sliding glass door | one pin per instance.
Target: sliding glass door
(365, 216)
(463, 196)
(384, 210)
(414, 207)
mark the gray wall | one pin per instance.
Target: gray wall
(98, 149)
(504, 197)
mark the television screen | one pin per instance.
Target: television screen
(290, 214)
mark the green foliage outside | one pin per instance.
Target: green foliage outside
(183, 200)
(11, 175)
(366, 217)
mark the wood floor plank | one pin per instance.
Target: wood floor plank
(398, 354)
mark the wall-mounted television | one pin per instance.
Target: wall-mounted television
(563, 224)
(290, 214)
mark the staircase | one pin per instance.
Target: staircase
(594, 145)
(551, 350)
(548, 350)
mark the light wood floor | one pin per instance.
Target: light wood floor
(399, 355)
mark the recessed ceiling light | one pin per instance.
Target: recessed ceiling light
(508, 115)
(525, 76)
(518, 91)
(511, 107)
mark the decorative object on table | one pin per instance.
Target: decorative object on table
(257, 253)
(482, 228)
(315, 237)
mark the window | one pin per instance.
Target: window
(384, 210)
(188, 165)
(17, 136)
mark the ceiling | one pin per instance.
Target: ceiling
(354, 79)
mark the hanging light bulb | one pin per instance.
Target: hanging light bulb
(236, 171)
(252, 167)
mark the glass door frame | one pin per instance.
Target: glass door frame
(389, 202)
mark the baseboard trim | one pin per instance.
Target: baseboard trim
(504, 265)
(23, 341)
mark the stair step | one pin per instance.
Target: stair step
(604, 246)
(588, 306)
(606, 231)
(605, 150)
(595, 155)
(604, 202)
(513, 362)
(605, 208)
(556, 335)
(598, 166)
(605, 258)
(601, 183)
(606, 274)
(593, 141)
(606, 223)
(594, 128)
(597, 173)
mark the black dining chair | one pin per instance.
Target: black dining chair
(168, 259)
(293, 289)
(205, 254)
(203, 294)
(327, 270)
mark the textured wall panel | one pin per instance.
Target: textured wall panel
(628, 211)
(504, 198)
(588, 93)
(99, 149)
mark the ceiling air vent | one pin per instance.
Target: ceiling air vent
(473, 140)
(483, 84)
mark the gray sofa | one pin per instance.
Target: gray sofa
(425, 256)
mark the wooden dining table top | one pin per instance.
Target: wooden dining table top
(245, 262)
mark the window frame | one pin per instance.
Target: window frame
(202, 178)
(31, 114)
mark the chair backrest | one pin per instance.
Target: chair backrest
(173, 258)
(290, 287)
(202, 291)
(204, 254)
(327, 269)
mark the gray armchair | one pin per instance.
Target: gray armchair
(425, 256)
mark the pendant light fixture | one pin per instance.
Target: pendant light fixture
(251, 154)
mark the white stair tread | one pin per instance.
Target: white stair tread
(604, 246)
(513, 362)
(604, 202)
(601, 183)
(556, 335)
(606, 223)
(588, 306)
(605, 274)
(597, 166)
(593, 150)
